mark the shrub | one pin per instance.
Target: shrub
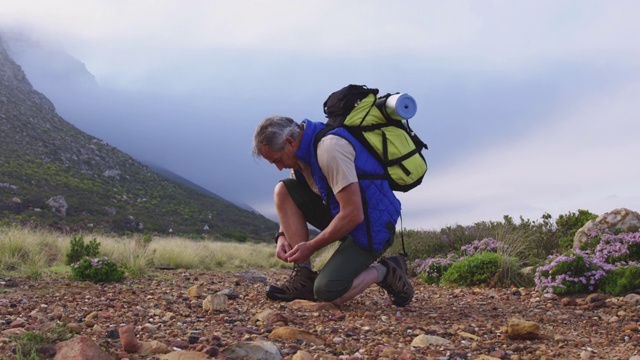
(96, 270)
(621, 280)
(568, 224)
(79, 249)
(477, 269)
(431, 270)
(484, 245)
(619, 249)
(573, 272)
(585, 270)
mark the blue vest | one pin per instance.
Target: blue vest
(380, 205)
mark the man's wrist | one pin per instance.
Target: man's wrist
(278, 234)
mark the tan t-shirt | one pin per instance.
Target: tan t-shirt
(336, 158)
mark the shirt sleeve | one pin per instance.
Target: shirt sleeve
(336, 157)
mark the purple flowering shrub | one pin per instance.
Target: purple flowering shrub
(595, 267)
(484, 245)
(618, 250)
(573, 272)
(431, 270)
(97, 270)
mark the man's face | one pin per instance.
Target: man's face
(283, 159)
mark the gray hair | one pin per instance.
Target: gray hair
(272, 132)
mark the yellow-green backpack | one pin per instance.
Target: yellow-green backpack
(380, 129)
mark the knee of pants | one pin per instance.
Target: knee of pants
(326, 289)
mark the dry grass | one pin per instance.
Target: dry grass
(36, 252)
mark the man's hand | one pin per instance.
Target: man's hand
(282, 248)
(300, 252)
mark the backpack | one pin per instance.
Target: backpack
(381, 130)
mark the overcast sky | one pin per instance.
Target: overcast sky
(529, 107)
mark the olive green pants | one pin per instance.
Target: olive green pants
(348, 261)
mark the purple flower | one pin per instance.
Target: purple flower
(484, 245)
(579, 268)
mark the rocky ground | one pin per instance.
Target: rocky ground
(440, 323)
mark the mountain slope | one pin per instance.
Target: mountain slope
(53, 174)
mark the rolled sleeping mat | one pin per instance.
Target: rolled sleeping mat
(401, 106)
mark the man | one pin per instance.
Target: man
(329, 190)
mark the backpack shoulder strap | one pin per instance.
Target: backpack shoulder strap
(319, 135)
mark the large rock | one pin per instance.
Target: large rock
(622, 218)
(58, 205)
(80, 348)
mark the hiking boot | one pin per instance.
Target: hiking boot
(299, 286)
(396, 281)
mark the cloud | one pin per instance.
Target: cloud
(525, 105)
(582, 158)
(142, 35)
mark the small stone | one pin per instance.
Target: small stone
(291, 333)
(152, 347)
(149, 328)
(192, 339)
(215, 302)
(522, 329)
(568, 301)
(75, 327)
(113, 334)
(302, 355)
(89, 323)
(632, 298)
(426, 340)
(17, 324)
(128, 338)
(195, 291)
(180, 344)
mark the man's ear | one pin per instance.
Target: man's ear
(289, 140)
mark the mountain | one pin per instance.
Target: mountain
(175, 177)
(53, 174)
(191, 127)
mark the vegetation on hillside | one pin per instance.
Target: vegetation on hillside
(143, 201)
(105, 190)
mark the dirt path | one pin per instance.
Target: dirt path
(470, 322)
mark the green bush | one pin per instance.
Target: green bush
(478, 269)
(621, 280)
(568, 224)
(79, 249)
(591, 243)
(96, 270)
